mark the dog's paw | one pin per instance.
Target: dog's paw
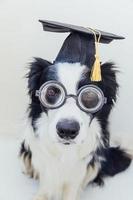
(26, 161)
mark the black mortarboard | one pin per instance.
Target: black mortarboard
(81, 45)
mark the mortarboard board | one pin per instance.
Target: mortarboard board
(81, 45)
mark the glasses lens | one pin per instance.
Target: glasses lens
(91, 99)
(52, 95)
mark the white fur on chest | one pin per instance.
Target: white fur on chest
(59, 168)
(61, 163)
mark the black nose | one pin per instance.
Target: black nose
(67, 129)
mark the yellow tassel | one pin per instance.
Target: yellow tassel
(96, 70)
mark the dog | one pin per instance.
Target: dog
(65, 147)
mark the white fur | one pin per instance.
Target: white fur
(69, 75)
(63, 168)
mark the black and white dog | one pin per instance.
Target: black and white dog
(67, 143)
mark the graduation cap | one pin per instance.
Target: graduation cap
(81, 45)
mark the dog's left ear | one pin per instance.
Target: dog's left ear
(37, 68)
(109, 82)
(36, 73)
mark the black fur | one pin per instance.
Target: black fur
(109, 86)
(36, 77)
(115, 161)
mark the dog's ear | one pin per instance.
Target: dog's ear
(109, 86)
(109, 83)
(37, 70)
(37, 67)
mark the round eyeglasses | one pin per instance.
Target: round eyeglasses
(89, 98)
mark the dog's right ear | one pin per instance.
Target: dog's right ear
(37, 67)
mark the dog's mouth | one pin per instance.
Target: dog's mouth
(66, 142)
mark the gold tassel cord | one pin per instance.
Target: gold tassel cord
(96, 69)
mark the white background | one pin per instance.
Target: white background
(22, 37)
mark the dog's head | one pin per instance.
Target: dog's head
(68, 122)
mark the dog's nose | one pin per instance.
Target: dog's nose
(68, 129)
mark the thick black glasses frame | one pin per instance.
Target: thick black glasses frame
(66, 96)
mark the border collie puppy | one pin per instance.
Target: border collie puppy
(67, 141)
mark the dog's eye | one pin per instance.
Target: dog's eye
(89, 99)
(52, 94)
